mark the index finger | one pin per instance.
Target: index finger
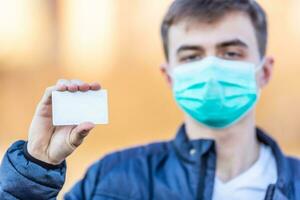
(46, 99)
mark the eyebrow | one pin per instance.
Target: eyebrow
(189, 47)
(234, 42)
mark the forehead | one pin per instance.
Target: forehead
(234, 25)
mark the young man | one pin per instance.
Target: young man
(216, 67)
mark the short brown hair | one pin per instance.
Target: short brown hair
(211, 11)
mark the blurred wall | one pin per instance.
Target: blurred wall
(117, 43)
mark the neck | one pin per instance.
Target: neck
(237, 146)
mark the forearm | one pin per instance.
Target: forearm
(24, 178)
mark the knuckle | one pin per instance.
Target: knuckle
(63, 81)
(76, 81)
(48, 89)
(72, 140)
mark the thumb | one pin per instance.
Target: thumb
(79, 133)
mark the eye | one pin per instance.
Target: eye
(190, 58)
(232, 55)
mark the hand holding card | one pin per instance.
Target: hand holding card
(62, 121)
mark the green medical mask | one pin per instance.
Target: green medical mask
(216, 92)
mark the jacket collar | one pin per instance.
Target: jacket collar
(283, 185)
(191, 150)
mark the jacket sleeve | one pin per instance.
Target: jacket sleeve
(22, 178)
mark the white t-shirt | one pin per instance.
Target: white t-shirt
(251, 184)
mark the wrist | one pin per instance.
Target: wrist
(40, 162)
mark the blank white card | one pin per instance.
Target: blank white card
(73, 108)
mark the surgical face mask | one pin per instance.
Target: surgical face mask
(215, 92)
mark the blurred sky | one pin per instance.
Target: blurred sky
(117, 43)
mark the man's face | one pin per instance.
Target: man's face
(232, 37)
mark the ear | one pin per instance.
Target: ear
(164, 70)
(267, 72)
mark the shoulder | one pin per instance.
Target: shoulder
(127, 173)
(295, 166)
(295, 170)
(135, 155)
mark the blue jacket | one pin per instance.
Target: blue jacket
(159, 171)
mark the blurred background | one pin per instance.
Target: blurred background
(117, 43)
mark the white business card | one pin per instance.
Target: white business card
(73, 108)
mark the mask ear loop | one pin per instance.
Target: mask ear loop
(260, 65)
